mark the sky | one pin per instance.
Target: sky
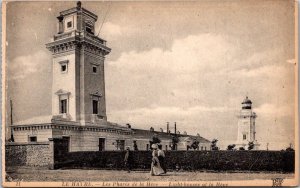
(191, 63)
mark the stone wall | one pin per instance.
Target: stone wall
(32, 154)
(15, 155)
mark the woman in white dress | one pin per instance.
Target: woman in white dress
(156, 169)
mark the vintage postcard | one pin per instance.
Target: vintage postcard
(147, 94)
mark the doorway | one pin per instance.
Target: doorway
(101, 144)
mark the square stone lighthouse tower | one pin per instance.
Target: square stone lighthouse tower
(78, 87)
(246, 125)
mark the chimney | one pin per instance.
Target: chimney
(151, 129)
(168, 131)
(161, 130)
(175, 127)
(78, 5)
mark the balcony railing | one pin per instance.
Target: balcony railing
(66, 35)
(93, 37)
(77, 33)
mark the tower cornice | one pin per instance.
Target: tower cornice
(75, 39)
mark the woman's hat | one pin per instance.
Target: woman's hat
(154, 146)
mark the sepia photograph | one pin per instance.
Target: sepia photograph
(150, 93)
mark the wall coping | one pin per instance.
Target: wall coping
(73, 126)
(23, 144)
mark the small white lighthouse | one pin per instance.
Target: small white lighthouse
(246, 126)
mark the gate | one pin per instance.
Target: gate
(61, 148)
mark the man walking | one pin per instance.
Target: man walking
(128, 159)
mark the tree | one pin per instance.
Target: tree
(241, 148)
(214, 144)
(250, 145)
(289, 149)
(231, 147)
(194, 145)
(155, 140)
(175, 140)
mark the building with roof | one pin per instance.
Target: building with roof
(143, 139)
(78, 96)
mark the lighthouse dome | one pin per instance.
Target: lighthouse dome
(247, 101)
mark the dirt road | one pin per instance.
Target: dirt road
(35, 174)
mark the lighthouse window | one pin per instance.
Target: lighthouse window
(94, 69)
(63, 68)
(244, 137)
(95, 106)
(63, 106)
(69, 24)
(88, 29)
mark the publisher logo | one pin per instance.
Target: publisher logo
(277, 182)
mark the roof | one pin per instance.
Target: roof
(78, 8)
(247, 101)
(103, 124)
(142, 134)
(200, 139)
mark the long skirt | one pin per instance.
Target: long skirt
(156, 168)
(162, 163)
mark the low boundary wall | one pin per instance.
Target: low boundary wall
(38, 154)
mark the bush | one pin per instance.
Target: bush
(289, 149)
(250, 145)
(231, 147)
(214, 144)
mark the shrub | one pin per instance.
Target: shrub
(230, 147)
(214, 144)
(289, 149)
(241, 148)
(250, 145)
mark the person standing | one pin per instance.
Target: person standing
(128, 159)
(161, 158)
(156, 169)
